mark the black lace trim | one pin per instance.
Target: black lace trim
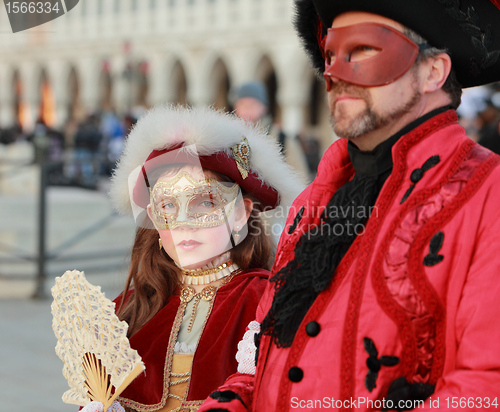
(317, 254)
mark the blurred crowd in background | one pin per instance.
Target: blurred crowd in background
(81, 154)
(86, 152)
(480, 115)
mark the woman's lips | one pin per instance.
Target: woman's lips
(188, 244)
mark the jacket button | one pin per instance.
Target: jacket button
(416, 175)
(295, 374)
(373, 364)
(313, 328)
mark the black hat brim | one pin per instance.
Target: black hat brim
(469, 30)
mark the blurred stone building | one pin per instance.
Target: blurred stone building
(122, 55)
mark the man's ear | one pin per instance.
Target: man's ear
(437, 70)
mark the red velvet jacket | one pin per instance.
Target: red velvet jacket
(214, 360)
(421, 286)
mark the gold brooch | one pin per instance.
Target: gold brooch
(241, 155)
(208, 293)
(188, 293)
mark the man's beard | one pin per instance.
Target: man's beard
(368, 120)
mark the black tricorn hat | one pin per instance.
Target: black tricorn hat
(468, 29)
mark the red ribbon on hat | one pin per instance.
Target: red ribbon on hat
(496, 3)
(321, 38)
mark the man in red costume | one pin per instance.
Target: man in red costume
(386, 280)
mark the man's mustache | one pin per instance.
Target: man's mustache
(342, 87)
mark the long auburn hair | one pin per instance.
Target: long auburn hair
(153, 276)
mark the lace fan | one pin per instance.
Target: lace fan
(91, 341)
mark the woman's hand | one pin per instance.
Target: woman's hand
(95, 406)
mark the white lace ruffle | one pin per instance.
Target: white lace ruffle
(182, 348)
(246, 349)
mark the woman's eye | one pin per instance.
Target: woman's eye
(363, 52)
(168, 207)
(207, 203)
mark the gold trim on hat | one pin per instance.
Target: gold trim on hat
(241, 154)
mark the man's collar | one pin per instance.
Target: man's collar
(379, 160)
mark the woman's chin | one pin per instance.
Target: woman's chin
(192, 263)
(199, 258)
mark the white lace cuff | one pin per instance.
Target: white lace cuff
(246, 349)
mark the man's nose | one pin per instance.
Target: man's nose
(329, 79)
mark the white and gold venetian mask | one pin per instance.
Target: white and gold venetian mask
(185, 201)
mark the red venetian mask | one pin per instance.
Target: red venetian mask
(367, 54)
